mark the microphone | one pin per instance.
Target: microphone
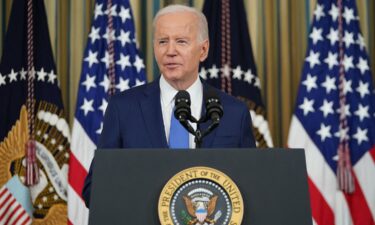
(214, 110)
(182, 110)
(182, 103)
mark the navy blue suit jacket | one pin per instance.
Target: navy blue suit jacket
(133, 119)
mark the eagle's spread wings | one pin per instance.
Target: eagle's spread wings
(211, 205)
(189, 206)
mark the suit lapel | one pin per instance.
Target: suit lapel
(151, 111)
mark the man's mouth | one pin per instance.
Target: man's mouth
(172, 65)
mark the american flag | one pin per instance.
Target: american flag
(15, 206)
(51, 130)
(316, 122)
(230, 65)
(95, 86)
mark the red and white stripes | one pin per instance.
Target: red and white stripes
(11, 211)
(82, 153)
(329, 204)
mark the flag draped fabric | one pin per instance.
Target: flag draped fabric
(51, 130)
(230, 65)
(15, 203)
(112, 26)
(335, 42)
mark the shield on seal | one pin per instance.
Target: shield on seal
(201, 214)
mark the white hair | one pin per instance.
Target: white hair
(202, 21)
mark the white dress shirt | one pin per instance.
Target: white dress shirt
(167, 94)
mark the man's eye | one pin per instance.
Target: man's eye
(162, 42)
(182, 42)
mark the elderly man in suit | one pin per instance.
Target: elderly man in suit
(142, 117)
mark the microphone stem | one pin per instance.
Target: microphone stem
(198, 138)
(210, 128)
(187, 126)
(198, 134)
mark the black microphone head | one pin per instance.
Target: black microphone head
(214, 110)
(182, 96)
(182, 105)
(211, 94)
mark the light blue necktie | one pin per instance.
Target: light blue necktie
(178, 135)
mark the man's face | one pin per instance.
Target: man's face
(177, 48)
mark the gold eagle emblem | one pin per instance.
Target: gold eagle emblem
(200, 210)
(12, 153)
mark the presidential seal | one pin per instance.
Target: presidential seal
(200, 196)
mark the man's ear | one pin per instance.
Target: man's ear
(204, 50)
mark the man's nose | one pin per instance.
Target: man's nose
(171, 51)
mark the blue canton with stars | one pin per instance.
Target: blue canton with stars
(318, 97)
(94, 84)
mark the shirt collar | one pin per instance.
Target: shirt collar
(167, 92)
